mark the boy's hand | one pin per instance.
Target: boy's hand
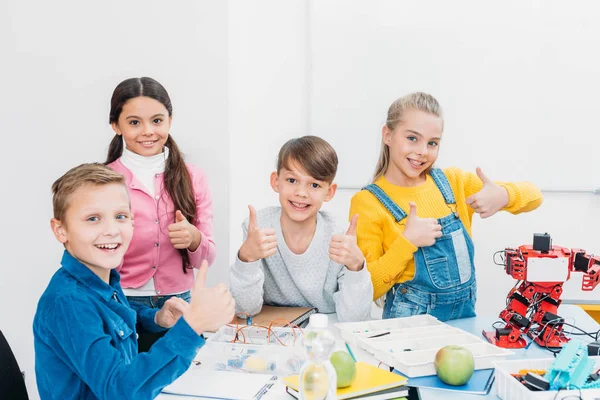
(490, 199)
(260, 243)
(184, 235)
(170, 312)
(210, 308)
(421, 232)
(344, 250)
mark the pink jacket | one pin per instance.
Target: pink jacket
(151, 252)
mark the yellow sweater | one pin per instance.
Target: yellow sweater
(390, 257)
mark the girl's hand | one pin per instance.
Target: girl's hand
(421, 232)
(490, 199)
(210, 308)
(344, 250)
(170, 312)
(184, 235)
(260, 243)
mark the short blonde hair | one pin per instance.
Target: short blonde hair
(414, 101)
(84, 174)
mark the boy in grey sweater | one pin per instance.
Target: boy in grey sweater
(291, 255)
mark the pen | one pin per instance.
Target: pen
(378, 335)
(350, 351)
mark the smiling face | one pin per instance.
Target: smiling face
(413, 145)
(300, 195)
(97, 226)
(144, 124)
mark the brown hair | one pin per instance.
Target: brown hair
(414, 101)
(177, 180)
(313, 154)
(84, 174)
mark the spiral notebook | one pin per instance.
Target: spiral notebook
(401, 393)
(369, 380)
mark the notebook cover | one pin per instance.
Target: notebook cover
(369, 379)
(279, 316)
(480, 382)
(398, 393)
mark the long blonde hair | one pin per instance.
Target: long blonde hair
(414, 101)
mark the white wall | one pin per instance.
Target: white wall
(60, 63)
(516, 80)
(268, 76)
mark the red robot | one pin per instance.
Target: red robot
(540, 271)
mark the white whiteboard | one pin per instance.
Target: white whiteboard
(519, 82)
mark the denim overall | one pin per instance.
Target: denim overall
(444, 282)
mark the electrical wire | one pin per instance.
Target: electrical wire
(571, 396)
(239, 331)
(501, 252)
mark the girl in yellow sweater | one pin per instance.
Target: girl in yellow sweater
(415, 220)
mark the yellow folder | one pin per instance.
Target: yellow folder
(369, 379)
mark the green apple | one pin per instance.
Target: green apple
(345, 368)
(454, 365)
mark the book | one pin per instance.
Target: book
(279, 316)
(480, 382)
(369, 379)
(397, 393)
(196, 382)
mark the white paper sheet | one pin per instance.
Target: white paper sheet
(221, 384)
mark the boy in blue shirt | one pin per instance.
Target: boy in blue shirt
(84, 328)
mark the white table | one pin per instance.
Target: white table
(474, 325)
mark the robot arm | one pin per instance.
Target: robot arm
(590, 266)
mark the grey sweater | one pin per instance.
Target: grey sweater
(302, 280)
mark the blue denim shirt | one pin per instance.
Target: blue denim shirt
(86, 345)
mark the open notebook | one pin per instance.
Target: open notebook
(196, 382)
(369, 379)
(279, 316)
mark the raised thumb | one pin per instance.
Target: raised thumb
(482, 176)
(201, 276)
(413, 210)
(252, 224)
(352, 228)
(179, 216)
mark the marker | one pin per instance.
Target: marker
(378, 335)
(350, 351)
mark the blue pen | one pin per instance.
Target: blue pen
(350, 351)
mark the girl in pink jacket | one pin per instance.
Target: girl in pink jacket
(170, 199)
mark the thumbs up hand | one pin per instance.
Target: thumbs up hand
(170, 312)
(421, 232)
(184, 235)
(344, 250)
(260, 243)
(490, 199)
(209, 308)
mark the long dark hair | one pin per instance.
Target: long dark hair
(177, 179)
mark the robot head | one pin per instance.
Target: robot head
(542, 242)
